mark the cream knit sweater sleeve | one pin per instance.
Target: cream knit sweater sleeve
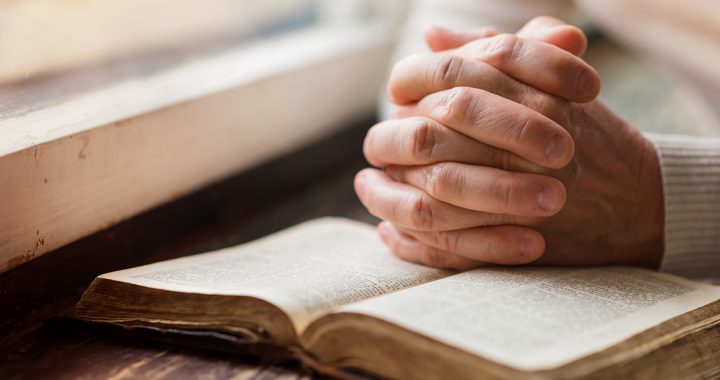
(691, 181)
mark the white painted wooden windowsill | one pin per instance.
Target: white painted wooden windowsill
(72, 168)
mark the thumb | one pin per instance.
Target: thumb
(439, 38)
(555, 32)
(544, 28)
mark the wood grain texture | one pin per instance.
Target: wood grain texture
(91, 161)
(66, 356)
(312, 182)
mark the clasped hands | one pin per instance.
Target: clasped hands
(499, 153)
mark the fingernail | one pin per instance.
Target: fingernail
(555, 148)
(586, 85)
(547, 199)
(527, 247)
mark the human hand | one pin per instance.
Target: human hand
(479, 168)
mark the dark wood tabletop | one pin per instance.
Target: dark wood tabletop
(311, 182)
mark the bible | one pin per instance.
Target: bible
(331, 289)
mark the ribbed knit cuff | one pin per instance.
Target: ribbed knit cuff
(691, 181)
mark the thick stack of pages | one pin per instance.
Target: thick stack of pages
(330, 287)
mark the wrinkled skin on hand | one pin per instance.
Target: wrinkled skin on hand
(499, 154)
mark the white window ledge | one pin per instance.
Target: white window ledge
(82, 164)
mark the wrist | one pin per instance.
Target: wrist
(652, 216)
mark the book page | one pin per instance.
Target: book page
(539, 318)
(305, 270)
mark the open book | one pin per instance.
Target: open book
(332, 288)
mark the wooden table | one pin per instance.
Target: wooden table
(312, 182)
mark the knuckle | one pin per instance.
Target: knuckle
(455, 104)
(421, 213)
(423, 141)
(519, 131)
(550, 106)
(438, 179)
(448, 71)
(504, 193)
(502, 49)
(501, 159)
(446, 240)
(543, 104)
(494, 219)
(494, 247)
